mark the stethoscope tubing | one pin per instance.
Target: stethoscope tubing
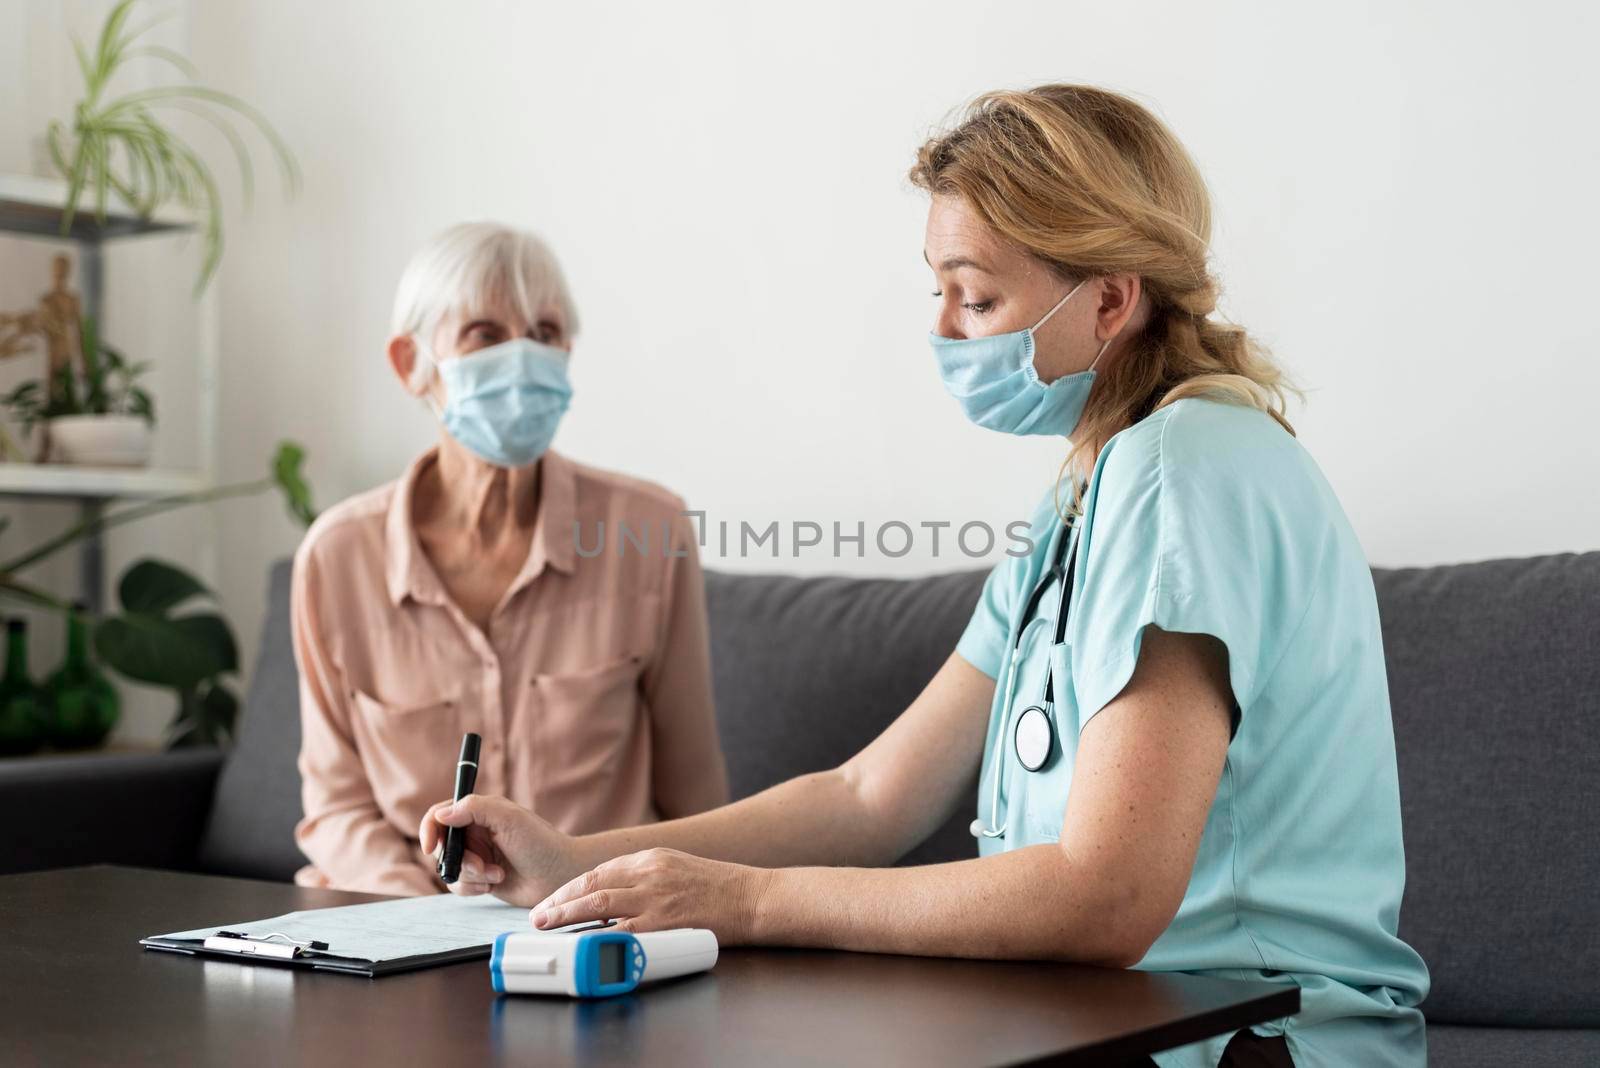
(1065, 546)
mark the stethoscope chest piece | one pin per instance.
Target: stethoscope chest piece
(1034, 738)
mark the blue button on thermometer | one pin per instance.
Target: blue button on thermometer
(597, 963)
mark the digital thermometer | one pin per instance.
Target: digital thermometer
(597, 963)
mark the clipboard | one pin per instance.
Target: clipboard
(373, 940)
(317, 960)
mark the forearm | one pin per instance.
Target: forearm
(401, 879)
(1031, 903)
(361, 851)
(344, 832)
(869, 811)
(814, 819)
(689, 773)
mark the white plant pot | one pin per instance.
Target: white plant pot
(99, 440)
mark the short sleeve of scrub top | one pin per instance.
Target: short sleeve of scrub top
(1162, 544)
(1184, 529)
(1208, 518)
(983, 643)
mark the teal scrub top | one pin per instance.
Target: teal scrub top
(1208, 518)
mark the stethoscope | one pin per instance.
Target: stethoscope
(1033, 734)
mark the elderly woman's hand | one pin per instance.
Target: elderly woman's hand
(511, 853)
(660, 889)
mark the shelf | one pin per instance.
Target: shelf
(30, 205)
(107, 483)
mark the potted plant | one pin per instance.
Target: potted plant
(119, 144)
(190, 652)
(94, 412)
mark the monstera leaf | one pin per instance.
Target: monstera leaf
(206, 719)
(148, 640)
(151, 587)
(186, 653)
(178, 653)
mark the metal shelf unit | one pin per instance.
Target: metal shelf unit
(32, 207)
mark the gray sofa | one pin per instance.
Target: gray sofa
(1494, 670)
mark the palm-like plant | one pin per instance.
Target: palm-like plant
(106, 385)
(118, 144)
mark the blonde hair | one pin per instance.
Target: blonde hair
(1093, 184)
(464, 268)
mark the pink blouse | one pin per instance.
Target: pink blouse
(591, 687)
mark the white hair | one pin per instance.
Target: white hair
(466, 267)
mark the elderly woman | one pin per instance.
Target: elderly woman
(459, 598)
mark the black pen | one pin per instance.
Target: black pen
(455, 838)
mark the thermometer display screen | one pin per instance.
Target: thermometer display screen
(612, 962)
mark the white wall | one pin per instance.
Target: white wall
(1404, 200)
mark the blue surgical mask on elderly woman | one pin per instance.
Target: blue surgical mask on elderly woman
(997, 386)
(504, 402)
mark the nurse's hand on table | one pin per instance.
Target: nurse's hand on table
(511, 853)
(658, 890)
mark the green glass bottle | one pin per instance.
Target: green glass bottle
(83, 705)
(22, 704)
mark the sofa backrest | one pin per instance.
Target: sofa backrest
(1494, 677)
(1494, 674)
(807, 671)
(257, 803)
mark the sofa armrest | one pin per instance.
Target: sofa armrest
(145, 809)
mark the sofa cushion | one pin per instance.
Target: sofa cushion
(1494, 677)
(807, 671)
(141, 809)
(251, 829)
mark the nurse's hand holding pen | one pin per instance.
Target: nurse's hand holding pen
(510, 852)
(521, 859)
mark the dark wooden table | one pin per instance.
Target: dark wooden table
(76, 988)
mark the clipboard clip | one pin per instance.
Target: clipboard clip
(272, 944)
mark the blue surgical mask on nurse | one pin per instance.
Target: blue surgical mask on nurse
(995, 382)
